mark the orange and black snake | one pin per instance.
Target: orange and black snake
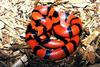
(47, 22)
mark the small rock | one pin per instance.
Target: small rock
(1, 25)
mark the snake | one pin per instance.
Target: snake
(51, 34)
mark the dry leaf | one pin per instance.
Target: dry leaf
(91, 57)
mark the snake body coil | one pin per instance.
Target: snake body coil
(47, 22)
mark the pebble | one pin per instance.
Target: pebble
(1, 25)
